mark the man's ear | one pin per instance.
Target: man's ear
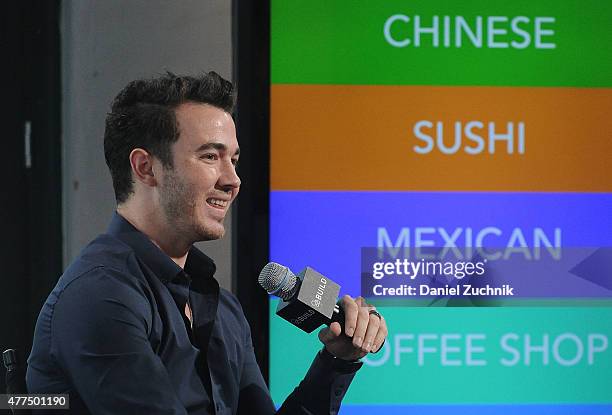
(142, 167)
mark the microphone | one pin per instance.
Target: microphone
(308, 299)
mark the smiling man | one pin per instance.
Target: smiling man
(137, 324)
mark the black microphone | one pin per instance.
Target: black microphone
(309, 298)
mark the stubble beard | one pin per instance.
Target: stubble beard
(179, 203)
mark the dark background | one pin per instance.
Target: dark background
(31, 244)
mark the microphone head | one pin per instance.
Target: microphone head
(278, 280)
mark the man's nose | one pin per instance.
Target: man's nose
(229, 177)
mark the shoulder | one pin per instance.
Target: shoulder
(105, 272)
(105, 251)
(105, 263)
(99, 304)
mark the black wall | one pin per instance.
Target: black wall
(251, 42)
(30, 198)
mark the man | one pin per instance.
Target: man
(137, 324)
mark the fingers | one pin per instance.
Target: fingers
(381, 335)
(351, 311)
(371, 332)
(363, 320)
(365, 332)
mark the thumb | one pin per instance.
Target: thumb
(330, 333)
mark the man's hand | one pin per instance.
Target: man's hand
(363, 332)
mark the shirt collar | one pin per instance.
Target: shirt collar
(197, 264)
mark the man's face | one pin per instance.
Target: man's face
(196, 193)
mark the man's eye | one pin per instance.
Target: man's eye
(209, 156)
(235, 162)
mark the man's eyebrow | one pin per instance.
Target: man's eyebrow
(215, 146)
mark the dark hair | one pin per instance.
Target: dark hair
(142, 116)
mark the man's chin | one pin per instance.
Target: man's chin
(211, 233)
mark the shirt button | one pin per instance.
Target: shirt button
(339, 390)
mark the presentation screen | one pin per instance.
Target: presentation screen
(406, 124)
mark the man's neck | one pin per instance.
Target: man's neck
(165, 238)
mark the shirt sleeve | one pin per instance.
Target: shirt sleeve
(320, 392)
(99, 338)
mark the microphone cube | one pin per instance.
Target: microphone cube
(314, 303)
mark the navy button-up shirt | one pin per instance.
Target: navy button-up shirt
(113, 334)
